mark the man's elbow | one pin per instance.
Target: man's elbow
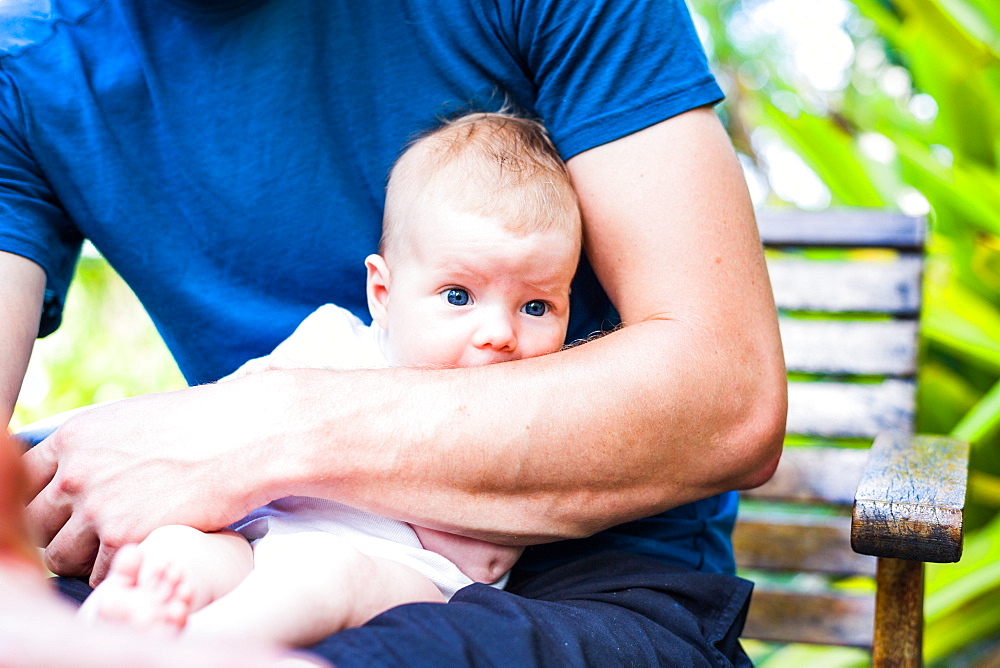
(761, 437)
(767, 465)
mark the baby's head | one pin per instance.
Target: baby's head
(480, 241)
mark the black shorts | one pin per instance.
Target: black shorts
(610, 609)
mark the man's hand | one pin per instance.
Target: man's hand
(38, 628)
(109, 476)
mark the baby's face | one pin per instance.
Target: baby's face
(468, 292)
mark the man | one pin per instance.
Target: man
(206, 146)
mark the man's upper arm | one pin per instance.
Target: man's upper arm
(670, 231)
(33, 223)
(22, 285)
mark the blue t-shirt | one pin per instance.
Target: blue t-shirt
(229, 157)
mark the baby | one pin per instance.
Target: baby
(481, 238)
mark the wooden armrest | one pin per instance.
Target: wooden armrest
(911, 498)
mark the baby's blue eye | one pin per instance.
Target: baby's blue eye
(536, 308)
(457, 297)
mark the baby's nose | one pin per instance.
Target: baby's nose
(496, 332)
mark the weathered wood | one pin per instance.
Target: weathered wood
(772, 541)
(850, 409)
(847, 286)
(841, 228)
(814, 474)
(911, 499)
(822, 619)
(887, 347)
(899, 610)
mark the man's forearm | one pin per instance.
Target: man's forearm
(621, 428)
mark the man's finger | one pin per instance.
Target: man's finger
(40, 464)
(73, 550)
(46, 516)
(105, 555)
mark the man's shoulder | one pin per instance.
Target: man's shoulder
(26, 24)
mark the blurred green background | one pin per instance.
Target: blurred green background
(830, 103)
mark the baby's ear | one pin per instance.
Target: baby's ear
(378, 289)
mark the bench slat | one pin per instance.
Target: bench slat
(850, 347)
(772, 541)
(850, 410)
(836, 286)
(823, 619)
(845, 228)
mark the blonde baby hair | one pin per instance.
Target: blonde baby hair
(495, 165)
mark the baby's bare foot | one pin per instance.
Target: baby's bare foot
(140, 593)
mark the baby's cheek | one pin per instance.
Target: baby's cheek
(435, 347)
(406, 349)
(549, 342)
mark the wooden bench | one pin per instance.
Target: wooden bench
(847, 286)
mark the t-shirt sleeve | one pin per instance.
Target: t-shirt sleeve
(607, 68)
(31, 222)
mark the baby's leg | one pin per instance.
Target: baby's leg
(173, 572)
(307, 586)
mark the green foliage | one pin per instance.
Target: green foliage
(797, 656)
(962, 599)
(915, 123)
